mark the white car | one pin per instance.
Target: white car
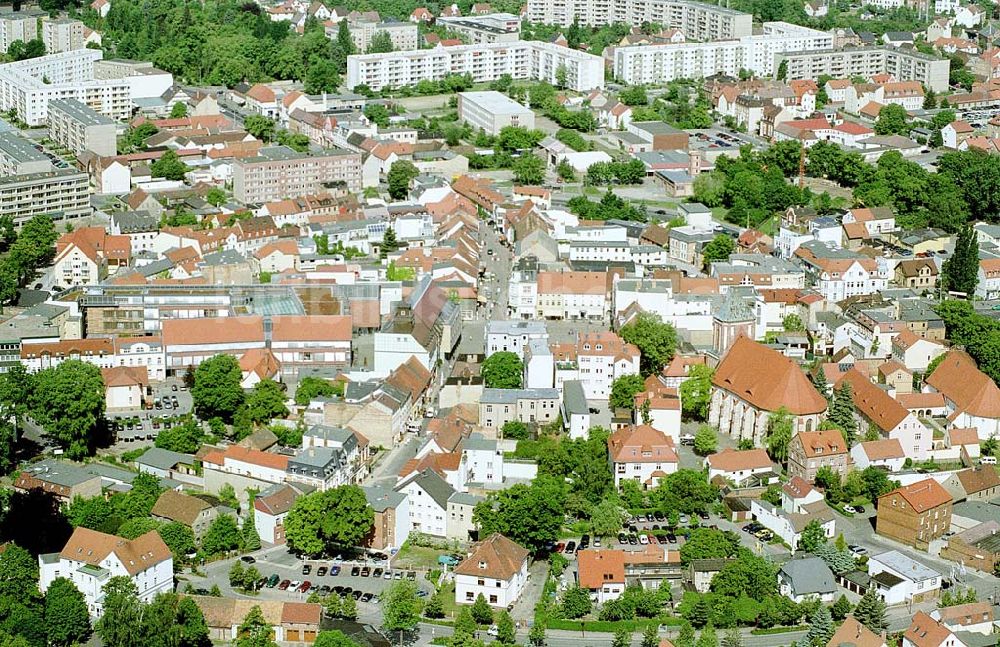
(493, 631)
(858, 551)
(849, 509)
(643, 539)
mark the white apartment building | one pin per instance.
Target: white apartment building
(278, 172)
(19, 156)
(597, 359)
(492, 111)
(698, 21)
(513, 336)
(17, 26)
(62, 35)
(497, 569)
(402, 34)
(484, 62)
(63, 191)
(642, 64)
(491, 28)
(27, 86)
(91, 558)
(903, 64)
(78, 128)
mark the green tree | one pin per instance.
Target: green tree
(705, 440)
(312, 387)
(719, 248)
(95, 513)
(536, 635)
(18, 574)
(68, 402)
(575, 603)
(400, 607)
(840, 608)
(733, 638)
(812, 537)
(399, 176)
(779, 434)
(260, 127)
(960, 272)
(434, 608)
(528, 169)
(634, 95)
(696, 392)
(655, 339)
(481, 611)
(871, 611)
(179, 539)
(389, 243)
(565, 171)
(217, 391)
(606, 518)
(708, 637)
(250, 537)
(841, 412)
(750, 574)
(515, 430)
(820, 627)
(624, 390)
(709, 543)
(223, 535)
(337, 517)
(892, 120)
(686, 491)
(186, 437)
(323, 76)
(266, 401)
(254, 631)
(179, 110)
(169, 166)
(793, 323)
(502, 370)
(530, 515)
(349, 609)
(623, 638)
(381, 43)
(216, 196)
(121, 624)
(334, 638)
(685, 638)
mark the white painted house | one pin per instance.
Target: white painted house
(496, 568)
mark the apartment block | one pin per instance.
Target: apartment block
(62, 35)
(78, 128)
(28, 86)
(17, 26)
(491, 28)
(492, 111)
(403, 34)
(903, 64)
(64, 192)
(484, 62)
(18, 155)
(662, 63)
(278, 172)
(698, 21)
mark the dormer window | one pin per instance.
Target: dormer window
(482, 565)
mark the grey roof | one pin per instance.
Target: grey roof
(809, 575)
(224, 257)
(511, 396)
(19, 149)
(574, 398)
(465, 498)
(657, 127)
(164, 459)
(478, 442)
(735, 307)
(435, 486)
(317, 462)
(515, 327)
(59, 472)
(905, 565)
(136, 221)
(80, 112)
(382, 498)
(110, 473)
(341, 435)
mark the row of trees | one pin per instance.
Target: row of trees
(217, 393)
(28, 251)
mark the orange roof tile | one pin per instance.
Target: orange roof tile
(922, 495)
(767, 379)
(596, 568)
(961, 381)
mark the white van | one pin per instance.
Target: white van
(988, 460)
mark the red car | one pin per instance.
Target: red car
(305, 586)
(284, 585)
(560, 547)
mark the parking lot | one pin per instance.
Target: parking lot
(290, 574)
(167, 403)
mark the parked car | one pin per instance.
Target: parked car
(860, 509)
(294, 585)
(659, 516)
(850, 509)
(377, 572)
(571, 547)
(703, 515)
(387, 575)
(284, 585)
(305, 586)
(560, 547)
(248, 559)
(367, 597)
(365, 571)
(672, 538)
(334, 570)
(633, 540)
(307, 569)
(857, 551)
(321, 571)
(411, 575)
(324, 590)
(643, 539)
(398, 575)
(355, 571)
(357, 595)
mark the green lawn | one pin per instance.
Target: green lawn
(413, 557)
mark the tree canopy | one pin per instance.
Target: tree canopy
(655, 339)
(217, 391)
(320, 521)
(502, 370)
(68, 401)
(530, 515)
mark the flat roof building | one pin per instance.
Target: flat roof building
(19, 155)
(62, 35)
(20, 26)
(492, 111)
(903, 64)
(491, 28)
(63, 193)
(278, 172)
(75, 126)
(698, 21)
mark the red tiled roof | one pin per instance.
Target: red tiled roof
(767, 379)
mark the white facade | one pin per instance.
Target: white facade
(426, 514)
(644, 64)
(498, 593)
(485, 62)
(918, 579)
(514, 336)
(492, 111)
(90, 575)
(778, 521)
(863, 461)
(855, 281)
(697, 20)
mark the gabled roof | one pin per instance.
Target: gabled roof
(854, 634)
(874, 404)
(885, 449)
(596, 568)
(495, 557)
(767, 379)
(925, 631)
(136, 555)
(979, 479)
(808, 576)
(825, 442)
(178, 506)
(641, 444)
(277, 499)
(731, 460)
(961, 381)
(922, 495)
